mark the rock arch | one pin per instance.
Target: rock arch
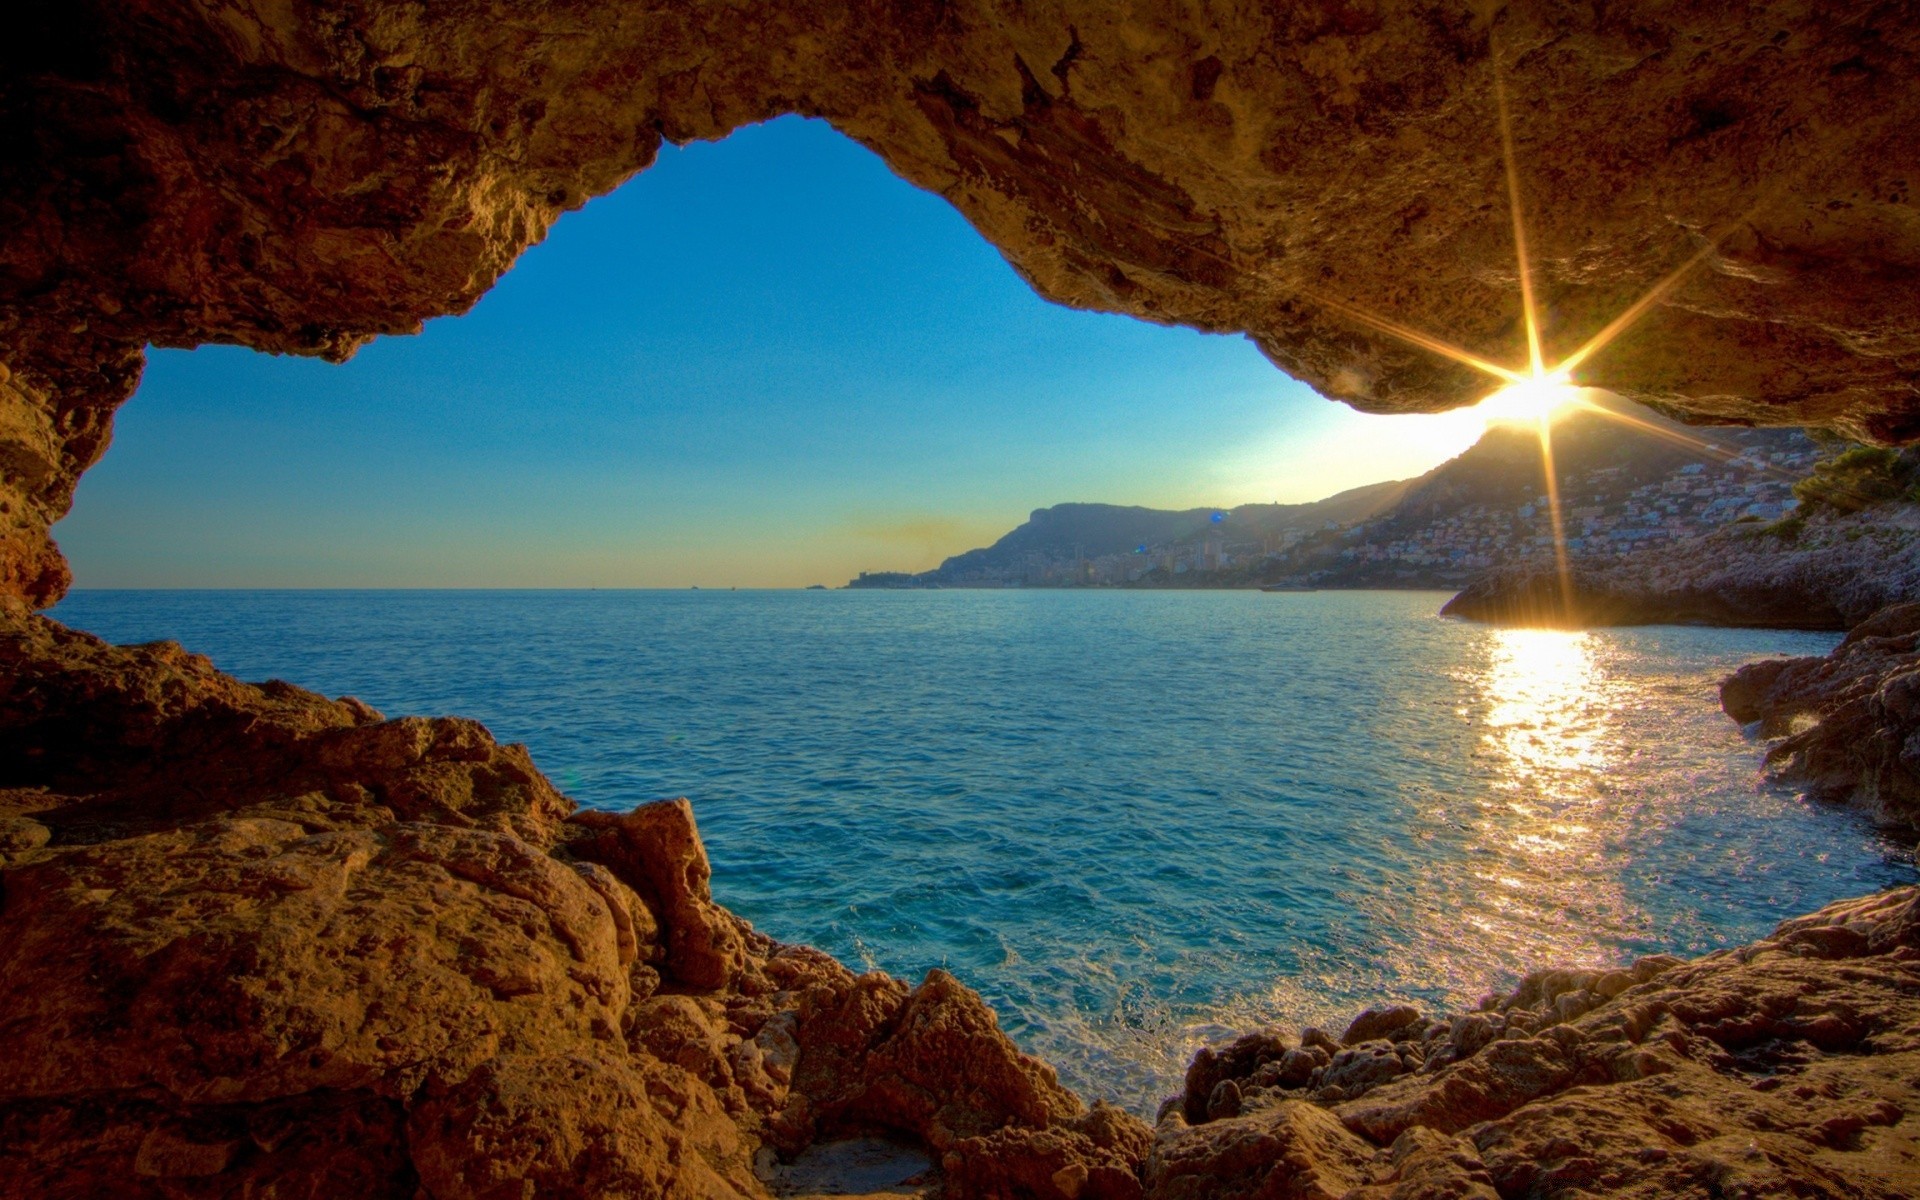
(300, 178)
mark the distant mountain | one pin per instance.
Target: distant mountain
(1622, 486)
(1054, 538)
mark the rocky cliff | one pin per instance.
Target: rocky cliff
(1830, 572)
(1847, 726)
(300, 178)
(254, 942)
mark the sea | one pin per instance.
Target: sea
(1135, 821)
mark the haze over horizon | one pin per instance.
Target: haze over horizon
(763, 362)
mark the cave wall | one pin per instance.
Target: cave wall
(302, 177)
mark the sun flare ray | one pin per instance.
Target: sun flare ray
(1536, 361)
(1630, 316)
(1540, 393)
(1415, 338)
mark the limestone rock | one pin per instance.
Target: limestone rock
(300, 179)
(656, 850)
(577, 1125)
(1379, 1023)
(1848, 724)
(1789, 1066)
(1291, 1151)
(255, 942)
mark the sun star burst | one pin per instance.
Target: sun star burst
(1539, 393)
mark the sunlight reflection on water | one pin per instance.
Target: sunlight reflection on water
(1133, 821)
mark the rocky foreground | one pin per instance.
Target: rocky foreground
(1831, 571)
(260, 943)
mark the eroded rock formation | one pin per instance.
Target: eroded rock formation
(255, 942)
(1845, 726)
(259, 943)
(300, 177)
(1828, 571)
(1783, 1068)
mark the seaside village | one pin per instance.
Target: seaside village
(1696, 498)
(1607, 511)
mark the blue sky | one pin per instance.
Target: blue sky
(764, 362)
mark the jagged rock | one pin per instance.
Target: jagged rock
(1093, 1157)
(300, 179)
(1835, 572)
(1379, 1023)
(1789, 1066)
(1290, 1151)
(259, 942)
(577, 1124)
(1213, 1065)
(1847, 724)
(1358, 1069)
(656, 850)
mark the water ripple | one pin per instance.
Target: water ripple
(1134, 821)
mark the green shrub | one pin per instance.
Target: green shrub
(1860, 477)
(1788, 528)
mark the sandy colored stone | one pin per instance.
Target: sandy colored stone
(302, 178)
(656, 850)
(1790, 1066)
(256, 942)
(1291, 1150)
(578, 1125)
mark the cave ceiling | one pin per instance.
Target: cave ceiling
(301, 178)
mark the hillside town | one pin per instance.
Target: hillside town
(1621, 490)
(1596, 521)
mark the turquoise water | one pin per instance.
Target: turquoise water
(1133, 820)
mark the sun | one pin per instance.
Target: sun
(1542, 392)
(1539, 400)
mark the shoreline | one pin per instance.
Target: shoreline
(770, 1046)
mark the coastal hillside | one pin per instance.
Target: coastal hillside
(1104, 543)
(1625, 486)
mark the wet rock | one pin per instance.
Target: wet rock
(1237, 1060)
(1846, 725)
(1379, 1023)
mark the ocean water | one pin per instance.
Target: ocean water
(1135, 821)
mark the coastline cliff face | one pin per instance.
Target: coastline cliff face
(255, 942)
(1834, 572)
(1847, 726)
